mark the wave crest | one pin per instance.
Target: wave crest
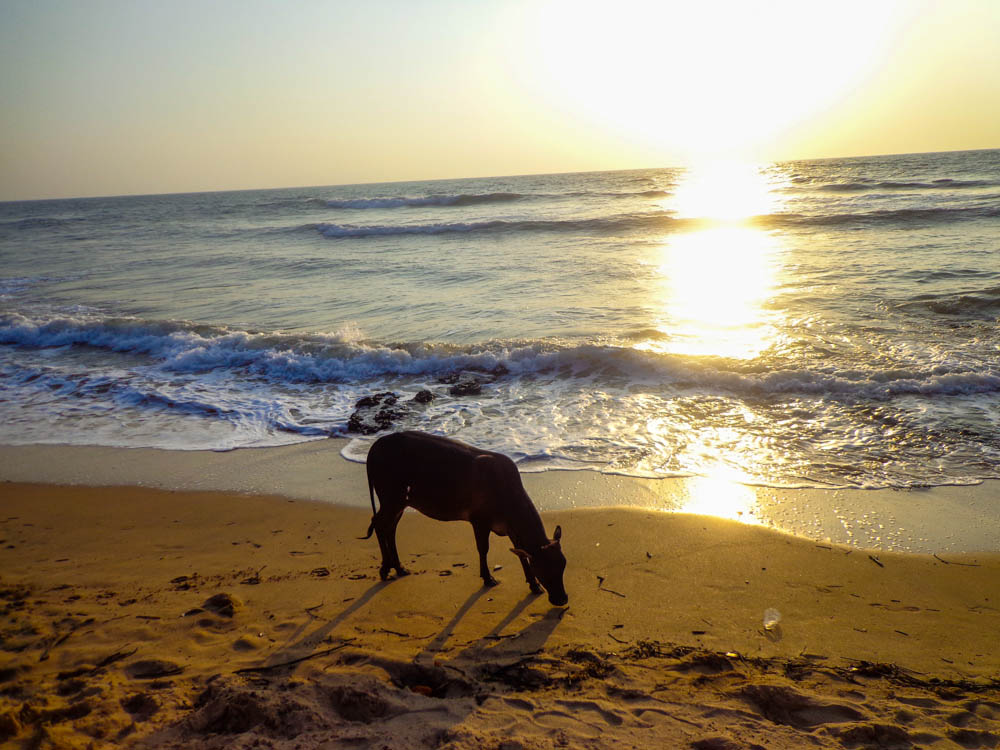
(621, 223)
(979, 303)
(344, 358)
(861, 186)
(655, 221)
(462, 199)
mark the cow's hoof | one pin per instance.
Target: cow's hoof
(491, 581)
(536, 589)
(400, 572)
(384, 575)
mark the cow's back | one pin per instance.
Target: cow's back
(443, 478)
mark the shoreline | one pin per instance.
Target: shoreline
(944, 519)
(176, 619)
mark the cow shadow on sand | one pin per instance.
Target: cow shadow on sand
(304, 645)
(442, 672)
(529, 640)
(494, 649)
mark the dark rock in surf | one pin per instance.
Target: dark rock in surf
(471, 382)
(387, 398)
(374, 413)
(467, 385)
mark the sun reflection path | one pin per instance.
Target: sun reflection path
(714, 280)
(713, 284)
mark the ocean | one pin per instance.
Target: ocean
(829, 323)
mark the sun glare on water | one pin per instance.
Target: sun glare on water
(715, 277)
(722, 191)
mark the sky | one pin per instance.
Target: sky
(115, 97)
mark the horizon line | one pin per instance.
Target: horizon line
(477, 177)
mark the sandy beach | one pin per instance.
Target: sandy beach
(718, 281)
(144, 617)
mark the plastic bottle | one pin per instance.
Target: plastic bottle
(771, 618)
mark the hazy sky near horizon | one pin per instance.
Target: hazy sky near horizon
(115, 97)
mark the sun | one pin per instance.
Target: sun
(723, 191)
(699, 78)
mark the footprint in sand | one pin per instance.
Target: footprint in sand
(562, 721)
(609, 717)
(784, 705)
(972, 738)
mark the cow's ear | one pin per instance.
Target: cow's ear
(522, 554)
(558, 534)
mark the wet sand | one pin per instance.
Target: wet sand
(934, 520)
(153, 618)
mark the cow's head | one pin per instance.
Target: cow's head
(547, 565)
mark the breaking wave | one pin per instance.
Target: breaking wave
(340, 358)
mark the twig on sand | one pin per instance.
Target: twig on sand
(876, 561)
(617, 640)
(395, 632)
(112, 658)
(253, 580)
(269, 667)
(60, 639)
(600, 587)
(408, 636)
(952, 562)
(63, 637)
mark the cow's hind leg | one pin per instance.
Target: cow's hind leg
(385, 522)
(392, 560)
(378, 521)
(482, 531)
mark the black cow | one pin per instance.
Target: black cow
(451, 481)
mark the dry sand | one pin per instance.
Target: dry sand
(149, 618)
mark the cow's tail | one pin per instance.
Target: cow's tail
(371, 496)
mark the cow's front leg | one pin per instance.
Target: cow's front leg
(482, 531)
(530, 577)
